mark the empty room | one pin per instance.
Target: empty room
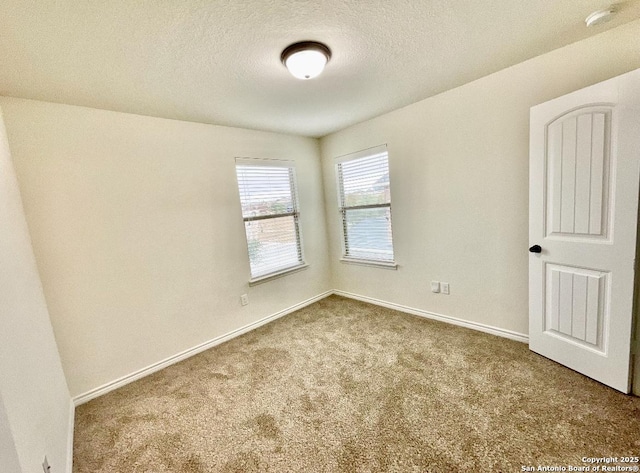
(337, 236)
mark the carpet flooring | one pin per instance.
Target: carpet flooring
(344, 386)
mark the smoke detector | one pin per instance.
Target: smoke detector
(600, 16)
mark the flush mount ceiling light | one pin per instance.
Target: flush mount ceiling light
(600, 16)
(306, 60)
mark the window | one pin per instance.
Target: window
(270, 212)
(365, 205)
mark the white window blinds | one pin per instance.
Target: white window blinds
(365, 204)
(270, 212)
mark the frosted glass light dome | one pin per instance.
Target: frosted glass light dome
(306, 60)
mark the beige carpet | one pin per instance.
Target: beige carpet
(346, 386)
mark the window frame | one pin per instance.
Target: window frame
(295, 213)
(343, 209)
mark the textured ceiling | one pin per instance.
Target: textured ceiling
(219, 61)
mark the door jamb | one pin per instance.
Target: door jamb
(635, 329)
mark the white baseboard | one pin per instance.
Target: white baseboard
(108, 387)
(70, 430)
(519, 337)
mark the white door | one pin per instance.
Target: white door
(583, 208)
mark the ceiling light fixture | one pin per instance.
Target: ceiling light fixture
(600, 16)
(305, 60)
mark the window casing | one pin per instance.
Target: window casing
(271, 217)
(365, 206)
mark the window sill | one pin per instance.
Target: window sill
(277, 274)
(366, 262)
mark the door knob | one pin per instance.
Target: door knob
(535, 249)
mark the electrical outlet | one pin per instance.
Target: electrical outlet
(244, 299)
(435, 286)
(45, 465)
(445, 287)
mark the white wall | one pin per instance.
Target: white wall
(137, 230)
(459, 184)
(9, 462)
(35, 405)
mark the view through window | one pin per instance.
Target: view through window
(270, 212)
(365, 204)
